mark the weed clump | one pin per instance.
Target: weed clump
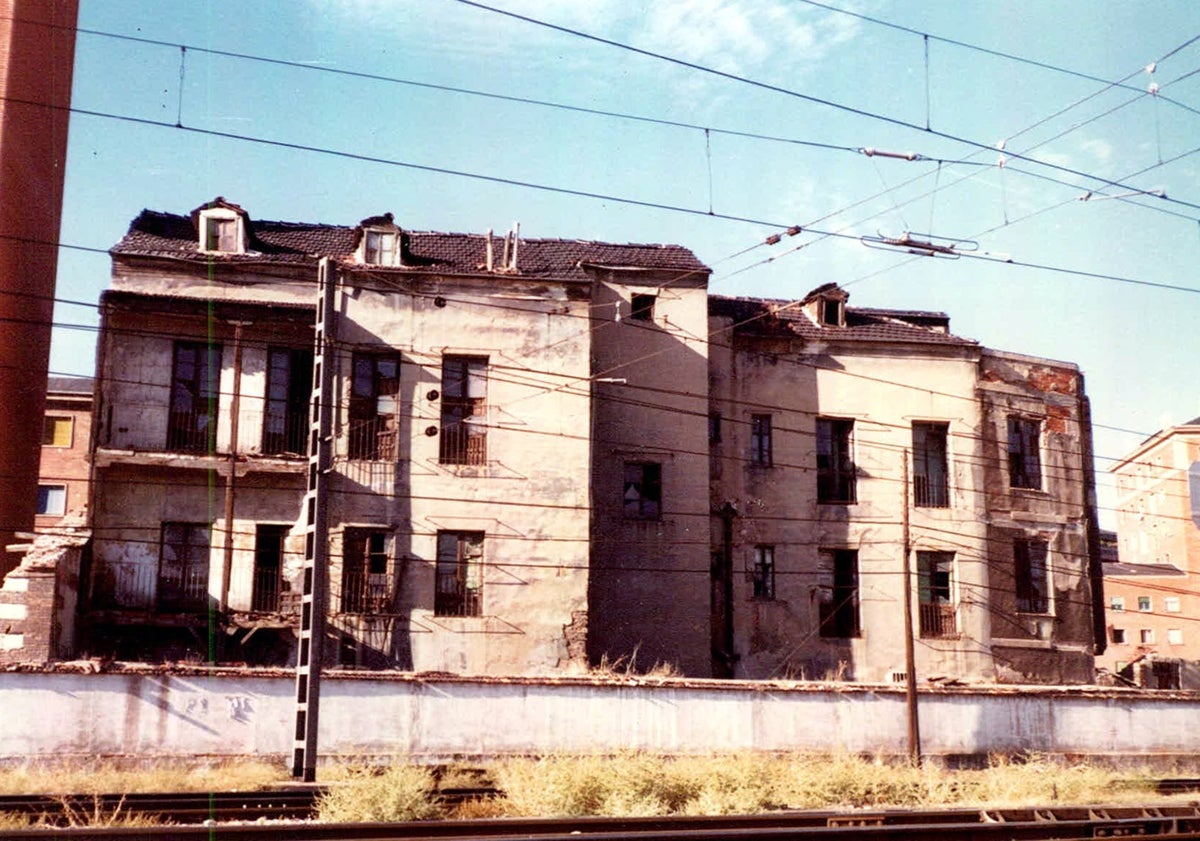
(398, 792)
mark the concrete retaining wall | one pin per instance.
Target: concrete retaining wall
(46, 714)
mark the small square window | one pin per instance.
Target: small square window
(831, 312)
(1171, 604)
(1118, 636)
(57, 431)
(1175, 636)
(52, 500)
(642, 307)
(1144, 604)
(1147, 636)
(1116, 603)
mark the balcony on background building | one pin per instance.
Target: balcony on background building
(939, 620)
(123, 585)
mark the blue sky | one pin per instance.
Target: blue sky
(875, 89)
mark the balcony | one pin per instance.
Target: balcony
(939, 620)
(931, 492)
(373, 439)
(120, 585)
(192, 432)
(365, 592)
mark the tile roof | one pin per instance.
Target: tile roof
(764, 316)
(1120, 568)
(173, 236)
(69, 385)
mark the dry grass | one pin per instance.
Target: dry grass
(111, 778)
(640, 784)
(398, 792)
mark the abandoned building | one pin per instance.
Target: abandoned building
(1150, 583)
(550, 454)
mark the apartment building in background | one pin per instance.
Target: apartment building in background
(551, 455)
(1153, 590)
(63, 473)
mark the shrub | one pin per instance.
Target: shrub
(398, 792)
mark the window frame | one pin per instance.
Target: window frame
(937, 600)
(1145, 604)
(194, 430)
(373, 254)
(1146, 636)
(286, 404)
(641, 306)
(931, 480)
(196, 556)
(463, 422)
(62, 500)
(762, 578)
(1174, 636)
(222, 231)
(837, 475)
(1118, 637)
(1025, 453)
(1032, 576)
(371, 433)
(366, 587)
(49, 426)
(648, 485)
(838, 614)
(465, 572)
(1172, 604)
(1116, 604)
(761, 441)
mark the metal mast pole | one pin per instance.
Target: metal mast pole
(910, 665)
(316, 530)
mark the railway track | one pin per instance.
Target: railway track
(191, 816)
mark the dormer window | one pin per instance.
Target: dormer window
(832, 312)
(380, 248)
(220, 234)
(378, 241)
(221, 227)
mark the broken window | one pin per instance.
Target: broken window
(379, 248)
(835, 463)
(643, 490)
(935, 586)
(1165, 674)
(52, 500)
(192, 422)
(837, 592)
(760, 440)
(374, 392)
(57, 431)
(931, 475)
(464, 410)
(641, 307)
(764, 572)
(183, 567)
(289, 386)
(1024, 453)
(1032, 576)
(365, 580)
(459, 589)
(221, 234)
(268, 567)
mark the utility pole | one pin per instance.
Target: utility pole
(314, 600)
(910, 665)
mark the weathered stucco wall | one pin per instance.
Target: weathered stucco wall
(160, 715)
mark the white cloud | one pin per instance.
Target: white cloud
(1099, 148)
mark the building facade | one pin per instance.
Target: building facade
(1152, 586)
(555, 455)
(66, 437)
(844, 440)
